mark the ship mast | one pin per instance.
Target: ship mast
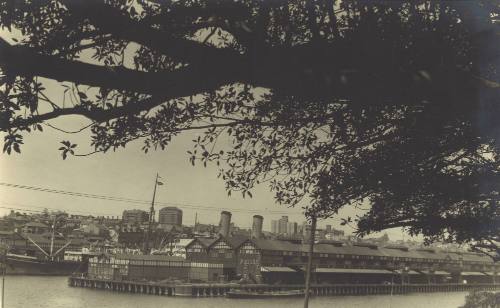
(151, 216)
(52, 237)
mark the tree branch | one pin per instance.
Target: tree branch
(111, 20)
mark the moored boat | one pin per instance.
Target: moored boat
(42, 254)
(233, 293)
(26, 265)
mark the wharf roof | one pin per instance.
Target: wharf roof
(410, 272)
(430, 253)
(472, 256)
(147, 257)
(277, 269)
(398, 253)
(345, 250)
(395, 251)
(441, 273)
(361, 250)
(472, 274)
(398, 247)
(276, 245)
(369, 245)
(237, 240)
(331, 242)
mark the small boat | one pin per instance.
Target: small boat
(264, 294)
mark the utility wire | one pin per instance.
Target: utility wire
(40, 209)
(138, 201)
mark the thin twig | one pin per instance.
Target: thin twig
(69, 132)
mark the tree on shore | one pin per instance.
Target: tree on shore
(336, 101)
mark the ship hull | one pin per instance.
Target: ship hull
(18, 266)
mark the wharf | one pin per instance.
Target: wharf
(220, 289)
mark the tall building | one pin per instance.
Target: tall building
(291, 228)
(274, 226)
(170, 216)
(282, 224)
(133, 217)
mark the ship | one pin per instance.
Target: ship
(15, 264)
(35, 254)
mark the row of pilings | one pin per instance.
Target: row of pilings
(220, 289)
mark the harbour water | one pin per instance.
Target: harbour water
(54, 292)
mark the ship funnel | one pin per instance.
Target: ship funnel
(225, 222)
(257, 226)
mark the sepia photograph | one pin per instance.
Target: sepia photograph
(250, 153)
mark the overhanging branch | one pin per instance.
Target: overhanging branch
(111, 20)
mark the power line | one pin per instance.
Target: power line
(138, 201)
(40, 209)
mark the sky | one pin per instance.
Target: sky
(129, 173)
(126, 173)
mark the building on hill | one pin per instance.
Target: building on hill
(134, 217)
(35, 227)
(170, 216)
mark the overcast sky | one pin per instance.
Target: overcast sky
(128, 173)
(125, 173)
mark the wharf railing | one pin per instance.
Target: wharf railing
(220, 289)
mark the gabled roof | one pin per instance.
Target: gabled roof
(184, 242)
(204, 241)
(234, 241)
(237, 240)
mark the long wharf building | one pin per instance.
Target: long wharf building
(275, 261)
(271, 261)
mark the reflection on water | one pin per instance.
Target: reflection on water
(53, 292)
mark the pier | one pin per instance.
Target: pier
(220, 289)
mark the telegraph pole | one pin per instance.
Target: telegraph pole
(309, 261)
(4, 266)
(4, 269)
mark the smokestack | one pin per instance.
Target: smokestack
(225, 222)
(257, 226)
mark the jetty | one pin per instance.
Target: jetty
(221, 289)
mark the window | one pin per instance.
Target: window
(248, 249)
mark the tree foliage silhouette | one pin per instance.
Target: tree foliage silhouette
(338, 101)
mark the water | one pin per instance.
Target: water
(54, 292)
